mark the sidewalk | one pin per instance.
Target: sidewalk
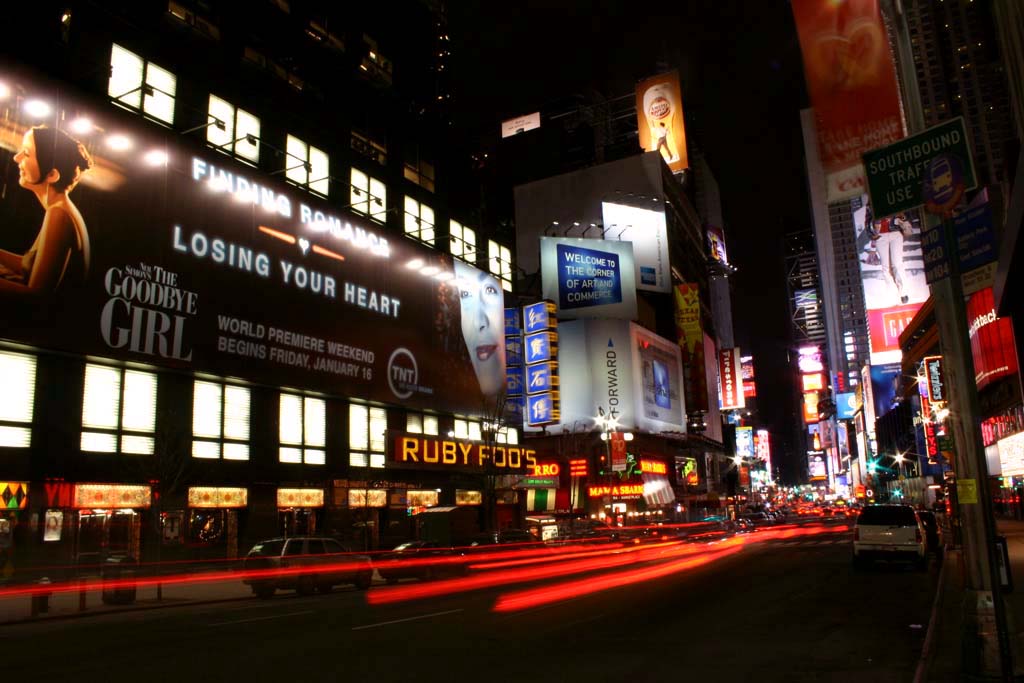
(948, 644)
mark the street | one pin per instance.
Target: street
(768, 609)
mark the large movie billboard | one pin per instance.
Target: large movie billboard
(172, 254)
(661, 128)
(892, 274)
(852, 84)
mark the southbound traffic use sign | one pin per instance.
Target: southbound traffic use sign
(897, 173)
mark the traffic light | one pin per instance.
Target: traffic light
(872, 467)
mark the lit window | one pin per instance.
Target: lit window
(302, 430)
(307, 166)
(233, 130)
(220, 421)
(467, 429)
(419, 221)
(462, 242)
(140, 85)
(499, 262)
(369, 196)
(18, 378)
(367, 436)
(421, 173)
(366, 146)
(416, 423)
(118, 410)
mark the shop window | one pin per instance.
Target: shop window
(118, 410)
(18, 378)
(462, 242)
(369, 196)
(307, 166)
(367, 436)
(302, 430)
(220, 421)
(419, 221)
(140, 85)
(416, 423)
(233, 130)
(499, 263)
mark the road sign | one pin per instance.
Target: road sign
(896, 172)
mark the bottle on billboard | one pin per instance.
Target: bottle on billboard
(659, 108)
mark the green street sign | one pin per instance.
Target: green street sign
(897, 173)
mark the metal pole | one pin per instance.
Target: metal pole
(982, 578)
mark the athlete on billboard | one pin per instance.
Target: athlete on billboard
(482, 308)
(887, 238)
(50, 164)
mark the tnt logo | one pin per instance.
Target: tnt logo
(403, 373)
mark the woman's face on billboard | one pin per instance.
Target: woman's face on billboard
(482, 306)
(28, 165)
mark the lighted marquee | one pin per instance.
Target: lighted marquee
(427, 498)
(217, 497)
(364, 498)
(420, 450)
(111, 496)
(300, 498)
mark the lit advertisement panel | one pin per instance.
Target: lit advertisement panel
(659, 110)
(520, 124)
(763, 445)
(885, 384)
(729, 380)
(811, 407)
(745, 442)
(647, 230)
(853, 91)
(716, 243)
(690, 334)
(714, 415)
(992, 342)
(632, 374)
(809, 359)
(194, 262)
(813, 382)
(892, 276)
(1011, 455)
(747, 373)
(846, 405)
(588, 278)
(816, 467)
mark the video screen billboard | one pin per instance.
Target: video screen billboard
(892, 275)
(992, 342)
(170, 253)
(588, 278)
(647, 230)
(745, 442)
(661, 128)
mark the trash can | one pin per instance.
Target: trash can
(118, 581)
(41, 598)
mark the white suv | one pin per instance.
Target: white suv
(890, 532)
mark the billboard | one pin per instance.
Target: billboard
(747, 374)
(810, 404)
(851, 81)
(892, 275)
(992, 343)
(690, 334)
(647, 230)
(172, 254)
(816, 467)
(632, 374)
(846, 405)
(716, 243)
(588, 278)
(885, 387)
(745, 442)
(659, 111)
(729, 380)
(520, 124)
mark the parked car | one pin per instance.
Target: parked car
(504, 536)
(932, 533)
(320, 564)
(424, 560)
(889, 532)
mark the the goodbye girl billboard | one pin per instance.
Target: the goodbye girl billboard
(120, 241)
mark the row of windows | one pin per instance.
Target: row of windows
(119, 409)
(142, 86)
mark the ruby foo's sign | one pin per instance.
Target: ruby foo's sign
(418, 450)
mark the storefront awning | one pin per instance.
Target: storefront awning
(217, 497)
(111, 496)
(540, 500)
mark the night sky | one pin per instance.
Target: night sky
(742, 86)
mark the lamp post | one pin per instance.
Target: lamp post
(609, 425)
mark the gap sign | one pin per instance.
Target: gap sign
(897, 172)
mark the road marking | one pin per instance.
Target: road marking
(272, 616)
(399, 621)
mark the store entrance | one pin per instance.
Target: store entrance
(107, 533)
(298, 521)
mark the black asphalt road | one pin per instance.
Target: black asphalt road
(780, 610)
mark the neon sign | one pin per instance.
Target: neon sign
(419, 450)
(622, 491)
(653, 467)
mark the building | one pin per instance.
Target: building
(255, 324)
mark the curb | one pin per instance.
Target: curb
(921, 672)
(117, 610)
